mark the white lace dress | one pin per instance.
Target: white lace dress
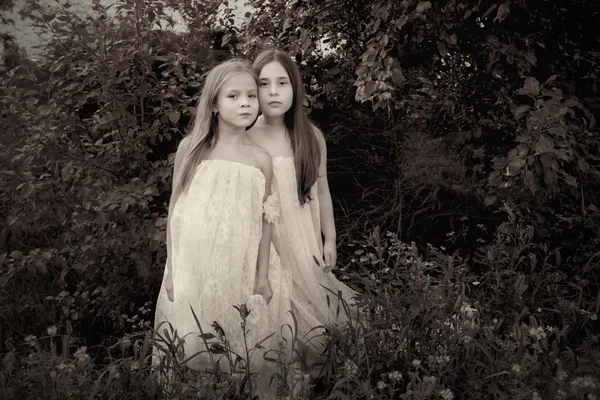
(297, 239)
(216, 228)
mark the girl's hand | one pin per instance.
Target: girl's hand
(329, 255)
(263, 287)
(169, 286)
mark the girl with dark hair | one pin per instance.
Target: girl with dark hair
(304, 234)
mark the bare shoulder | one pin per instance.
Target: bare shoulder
(262, 157)
(183, 146)
(181, 150)
(319, 135)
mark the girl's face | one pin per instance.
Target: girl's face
(237, 102)
(275, 92)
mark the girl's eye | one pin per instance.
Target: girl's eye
(252, 96)
(263, 84)
(232, 95)
(283, 83)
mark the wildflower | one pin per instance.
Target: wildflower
(416, 363)
(561, 375)
(535, 396)
(429, 380)
(51, 330)
(81, 354)
(442, 359)
(381, 385)
(561, 394)
(583, 382)
(446, 394)
(537, 333)
(467, 309)
(467, 64)
(134, 366)
(593, 317)
(125, 342)
(475, 283)
(350, 367)
(53, 375)
(516, 368)
(30, 340)
(395, 376)
(467, 339)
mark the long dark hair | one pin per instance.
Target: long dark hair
(307, 153)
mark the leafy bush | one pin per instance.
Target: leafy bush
(467, 129)
(88, 173)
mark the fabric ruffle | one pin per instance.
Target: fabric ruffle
(270, 208)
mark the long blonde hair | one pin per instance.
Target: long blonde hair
(204, 132)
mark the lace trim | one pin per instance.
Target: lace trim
(271, 208)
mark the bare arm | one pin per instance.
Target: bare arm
(325, 202)
(264, 249)
(174, 196)
(326, 207)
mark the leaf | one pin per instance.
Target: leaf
(49, 17)
(423, 6)
(544, 144)
(531, 87)
(503, 11)
(398, 76)
(571, 180)
(174, 116)
(547, 160)
(489, 10)
(442, 48)
(515, 165)
(41, 266)
(583, 165)
(490, 200)
(477, 132)
(550, 178)
(519, 111)
(27, 190)
(207, 336)
(558, 131)
(452, 39)
(529, 180)
(369, 88)
(56, 67)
